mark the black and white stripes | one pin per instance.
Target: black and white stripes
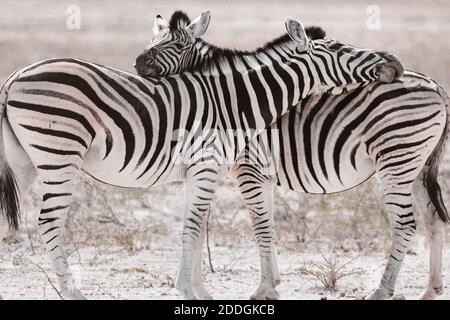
(63, 116)
(332, 143)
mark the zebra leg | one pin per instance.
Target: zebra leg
(200, 184)
(435, 237)
(23, 169)
(25, 174)
(398, 201)
(3, 233)
(197, 281)
(57, 187)
(3, 229)
(276, 270)
(257, 192)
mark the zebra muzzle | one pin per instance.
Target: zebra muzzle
(390, 69)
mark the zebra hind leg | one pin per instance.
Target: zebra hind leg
(25, 175)
(257, 193)
(398, 202)
(435, 229)
(57, 187)
(22, 168)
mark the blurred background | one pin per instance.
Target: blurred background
(113, 32)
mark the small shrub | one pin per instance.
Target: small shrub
(329, 271)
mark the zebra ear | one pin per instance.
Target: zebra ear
(160, 25)
(297, 32)
(199, 26)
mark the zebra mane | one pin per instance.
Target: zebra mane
(179, 20)
(219, 58)
(313, 32)
(223, 60)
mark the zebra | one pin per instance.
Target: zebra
(331, 143)
(62, 116)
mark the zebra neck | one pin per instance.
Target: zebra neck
(262, 84)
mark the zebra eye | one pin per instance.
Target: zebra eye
(150, 59)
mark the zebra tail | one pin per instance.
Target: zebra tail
(431, 169)
(9, 200)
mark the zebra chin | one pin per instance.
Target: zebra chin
(154, 71)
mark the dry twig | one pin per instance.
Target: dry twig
(328, 272)
(28, 261)
(207, 241)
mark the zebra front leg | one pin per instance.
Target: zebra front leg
(257, 193)
(57, 187)
(200, 185)
(398, 202)
(197, 281)
(276, 270)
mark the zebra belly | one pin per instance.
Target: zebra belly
(296, 175)
(321, 152)
(331, 143)
(106, 170)
(96, 168)
(52, 141)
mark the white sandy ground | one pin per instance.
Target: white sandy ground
(115, 274)
(139, 260)
(106, 269)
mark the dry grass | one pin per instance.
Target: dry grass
(111, 224)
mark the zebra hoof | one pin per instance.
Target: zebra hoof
(187, 293)
(431, 293)
(205, 296)
(265, 294)
(379, 294)
(202, 294)
(72, 294)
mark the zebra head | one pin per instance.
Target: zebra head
(172, 48)
(341, 64)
